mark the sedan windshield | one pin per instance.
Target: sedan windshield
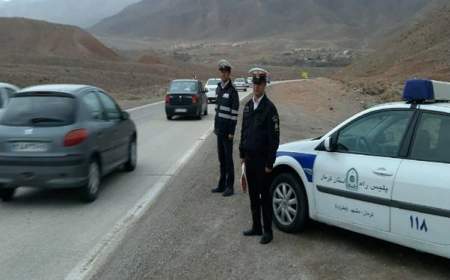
(183, 87)
(32, 110)
(213, 82)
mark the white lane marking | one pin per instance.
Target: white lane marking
(99, 255)
(144, 106)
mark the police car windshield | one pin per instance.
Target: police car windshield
(240, 80)
(213, 82)
(183, 87)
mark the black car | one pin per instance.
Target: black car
(186, 98)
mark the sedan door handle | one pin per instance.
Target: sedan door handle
(382, 172)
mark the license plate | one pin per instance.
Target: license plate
(29, 147)
(180, 110)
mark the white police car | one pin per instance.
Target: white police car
(384, 172)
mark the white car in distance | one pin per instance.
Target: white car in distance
(210, 87)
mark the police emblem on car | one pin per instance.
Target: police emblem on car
(352, 180)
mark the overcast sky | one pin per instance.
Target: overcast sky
(83, 13)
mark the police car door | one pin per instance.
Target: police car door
(421, 208)
(354, 181)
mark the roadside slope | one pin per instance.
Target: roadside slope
(421, 51)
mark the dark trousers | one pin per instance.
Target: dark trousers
(259, 191)
(225, 149)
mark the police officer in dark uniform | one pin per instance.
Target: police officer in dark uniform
(259, 144)
(227, 109)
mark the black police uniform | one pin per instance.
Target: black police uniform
(227, 109)
(259, 144)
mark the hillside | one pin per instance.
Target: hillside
(420, 50)
(344, 20)
(82, 13)
(36, 52)
(39, 38)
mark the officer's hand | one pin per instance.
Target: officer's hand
(268, 170)
(231, 136)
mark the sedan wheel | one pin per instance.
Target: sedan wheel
(289, 203)
(131, 164)
(7, 194)
(90, 191)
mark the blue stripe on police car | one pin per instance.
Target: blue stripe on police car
(305, 160)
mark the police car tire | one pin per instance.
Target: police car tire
(206, 111)
(301, 218)
(169, 117)
(7, 194)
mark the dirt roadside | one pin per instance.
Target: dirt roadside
(192, 234)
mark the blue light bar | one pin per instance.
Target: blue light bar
(418, 90)
(426, 90)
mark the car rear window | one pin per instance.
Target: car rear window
(183, 87)
(40, 110)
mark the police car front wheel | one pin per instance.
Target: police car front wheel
(289, 203)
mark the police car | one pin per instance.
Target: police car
(384, 172)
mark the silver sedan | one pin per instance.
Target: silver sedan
(63, 136)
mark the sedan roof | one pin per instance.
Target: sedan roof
(61, 88)
(3, 85)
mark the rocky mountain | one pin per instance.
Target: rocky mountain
(82, 13)
(24, 37)
(244, 19)
(421, 49)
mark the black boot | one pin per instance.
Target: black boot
(267, 238)
(228, 192)
(252, 232)
(218, 190)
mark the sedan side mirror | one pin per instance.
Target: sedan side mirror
(125, 116)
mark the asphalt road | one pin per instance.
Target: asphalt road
(44, 234)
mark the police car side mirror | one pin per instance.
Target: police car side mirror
(329, 144)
